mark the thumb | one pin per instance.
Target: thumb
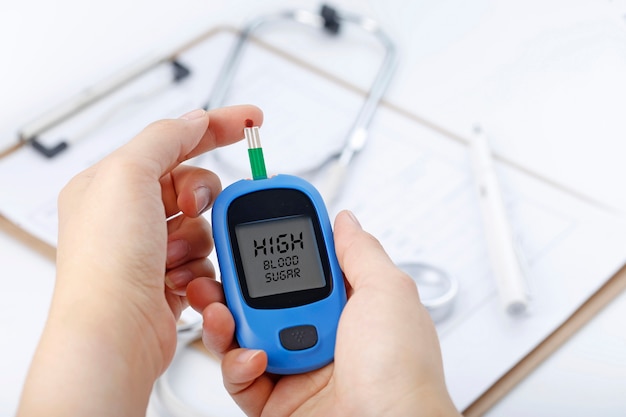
(361, 256)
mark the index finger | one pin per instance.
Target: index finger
(226, 127)
(166, 143)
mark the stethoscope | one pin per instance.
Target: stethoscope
(328, 20)
(442, 287)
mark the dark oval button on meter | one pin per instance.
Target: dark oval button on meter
(298, 337)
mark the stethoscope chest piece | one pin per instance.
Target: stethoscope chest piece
(437, 288)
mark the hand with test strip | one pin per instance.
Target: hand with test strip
(122, 267)
(132, 252)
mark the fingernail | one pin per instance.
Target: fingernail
(176, 250)
(202, 195)
(178, 279)
(246, 355)
(195, 114)
(353, 218)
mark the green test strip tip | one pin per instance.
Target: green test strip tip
(257, 163)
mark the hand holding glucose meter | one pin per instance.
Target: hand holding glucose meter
(279, 270)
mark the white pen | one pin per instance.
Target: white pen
(503, 251)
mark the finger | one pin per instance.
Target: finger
(166, 143)
(218, 329)
(379, 285)
(176, 303)
(245, 380)
(190, 190)
(361, 256)
(226, 126)
(204, 291)
(191, 240)
(177, 279)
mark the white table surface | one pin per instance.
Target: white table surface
(52, 49)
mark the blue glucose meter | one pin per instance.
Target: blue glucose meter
(279, 270)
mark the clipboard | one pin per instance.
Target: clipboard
(500, 387)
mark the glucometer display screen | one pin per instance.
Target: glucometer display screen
(279, 256)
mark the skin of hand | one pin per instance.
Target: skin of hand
(387, 357)
(122, 267)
